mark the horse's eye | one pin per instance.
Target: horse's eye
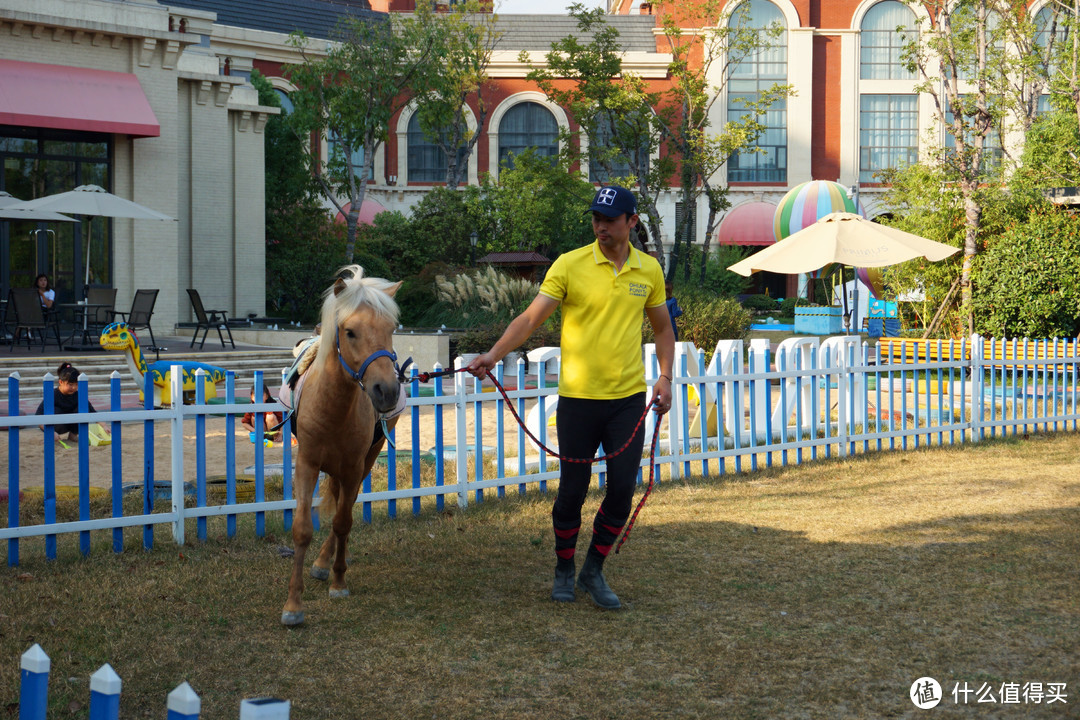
(350, 334)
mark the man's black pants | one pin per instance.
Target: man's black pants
(582, 426)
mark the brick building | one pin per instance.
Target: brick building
(855, 111)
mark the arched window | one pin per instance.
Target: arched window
(753, 75)
(599, 147)
(286, 103)
(882, 46)
(528, 125)
(334, 153)
(427, 163)
(1045, 26)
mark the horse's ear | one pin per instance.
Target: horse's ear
(394, 288)
(339, 285)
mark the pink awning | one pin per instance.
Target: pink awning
(748, 224)
(73, 98)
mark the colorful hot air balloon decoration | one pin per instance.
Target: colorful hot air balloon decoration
(807, 203)
(874, 279)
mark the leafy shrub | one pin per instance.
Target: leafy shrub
(788, 305)
(762, 303)
(418, 296)
(1027, 282)
(479, 339)
(707, 319)
(718, 279)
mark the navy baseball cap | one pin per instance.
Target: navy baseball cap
(613, 201)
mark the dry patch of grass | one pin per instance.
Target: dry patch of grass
(817, 591)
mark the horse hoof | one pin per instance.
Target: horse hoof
(292, 617)
(339, 592)
(319, 573)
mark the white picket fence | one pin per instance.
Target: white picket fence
(750, 406)
(105, 685)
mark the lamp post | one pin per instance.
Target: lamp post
(474, 238)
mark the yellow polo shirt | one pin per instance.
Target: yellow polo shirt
(602, 313)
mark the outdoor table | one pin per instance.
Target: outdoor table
(80, 314)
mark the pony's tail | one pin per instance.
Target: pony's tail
(328, 499)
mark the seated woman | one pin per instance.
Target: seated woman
(270, 419)
(66, 401)
(45, 291)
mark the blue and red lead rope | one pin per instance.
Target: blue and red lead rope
(427, 376)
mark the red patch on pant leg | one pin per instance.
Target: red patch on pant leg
(568, 553)
(567, 534)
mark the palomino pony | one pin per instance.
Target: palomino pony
(349, 388)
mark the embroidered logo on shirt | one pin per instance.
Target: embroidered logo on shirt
(638, 289)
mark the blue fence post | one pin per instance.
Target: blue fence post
(117, 461)
(105, 694)
(200, 452)
(260, 469)
(414, 420)
(440, 460)
(49, 463)
(230, 452)
(34, 687)
(148, 462)
(478, 438)
(84, 464)
(500, 430)
(264, 708)
(13, 468)
(183, 704)
(520, 434)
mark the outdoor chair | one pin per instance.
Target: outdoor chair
(30, 315)
(99, 317)
(207, 319)
(142, 309)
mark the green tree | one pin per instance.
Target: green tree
(532, 206)
(303, 248)
(1029, 280)
(961, 60)
(349, 94)
(702, 67)
(466, 38)
(613, 107)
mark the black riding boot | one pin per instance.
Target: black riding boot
(592, 581)
(563, 589)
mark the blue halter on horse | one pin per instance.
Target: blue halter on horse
(358, 375)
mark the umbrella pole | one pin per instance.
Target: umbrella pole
(843, 299)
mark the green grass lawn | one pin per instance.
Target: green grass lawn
(817, 591)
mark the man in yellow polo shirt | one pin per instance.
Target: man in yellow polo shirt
(604, 289)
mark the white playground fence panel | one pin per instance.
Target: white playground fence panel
(105, 686)
(749, 406)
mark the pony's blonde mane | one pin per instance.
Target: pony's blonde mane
(359, 291)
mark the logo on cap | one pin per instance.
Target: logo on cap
(606, 196)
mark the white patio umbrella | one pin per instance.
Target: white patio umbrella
(846, 239)
(93, 200)
(842, 238)
(11, 209)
